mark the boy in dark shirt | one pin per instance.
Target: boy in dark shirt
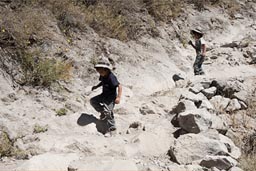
(105, 102)
(200, 48)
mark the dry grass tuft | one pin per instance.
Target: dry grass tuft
(5, 145)
(21, 27)
(248, 159)
(231, 6)
(251, 110)
(164, 10)
(105, 21)
(248, 162)
(7, 148)
(43, 72)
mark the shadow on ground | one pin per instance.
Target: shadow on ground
(86, 119)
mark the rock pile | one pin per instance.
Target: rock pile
(200, 135)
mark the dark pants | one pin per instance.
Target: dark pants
(105, 106)
(198, 65)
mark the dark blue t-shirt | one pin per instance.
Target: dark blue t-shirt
(109, 84)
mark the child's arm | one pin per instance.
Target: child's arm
(203, 50)
(119, 94)
(190, 42)
(97, 86)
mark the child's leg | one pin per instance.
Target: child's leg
(95, 102)
(198, 64)
(195, 65)
(110, 116)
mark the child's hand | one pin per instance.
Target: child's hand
(117, 101)
(190, 42)
(94, 87)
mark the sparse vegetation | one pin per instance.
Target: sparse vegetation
(5, 145)
(248, 162)
(248, 143)
(248, 159)
(39, 129)
(164, 10)
(251, 110)
(22, 30)
(7, 148)
(61, 112)
(231, 6)
(43, 72)
(116, 19)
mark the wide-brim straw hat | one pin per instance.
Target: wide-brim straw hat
(198, 31)
(103, 64)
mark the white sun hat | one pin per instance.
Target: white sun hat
(103, 63)
(197, 30)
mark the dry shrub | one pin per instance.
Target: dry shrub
(106, 22)
(118, 19)
(77, 14)
(5, 144)
(68, 14)
(164, 10)
(123, 20)
(248, 159)
(231, 6)
(21, 27)
(200, 4)
(43, 72)
(248, 162)
(251, 102)
(7, 148)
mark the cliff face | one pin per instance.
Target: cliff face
(48, 50)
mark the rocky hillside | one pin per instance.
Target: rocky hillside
(168, 118)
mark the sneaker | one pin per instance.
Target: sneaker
(201, 73)
(107, 135)
(103, 116)
(112, 132)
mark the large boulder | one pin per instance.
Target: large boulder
(228, 87)
(220, 162)
(192, 147)
(241, 95)
(195, 121)
(193, 167)
(235, 169)
(220, 103)
(206, 104)
(196, 98)
(209, 92)
(102, 164)
(182, 106)
(233, 105)
(219, 124)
